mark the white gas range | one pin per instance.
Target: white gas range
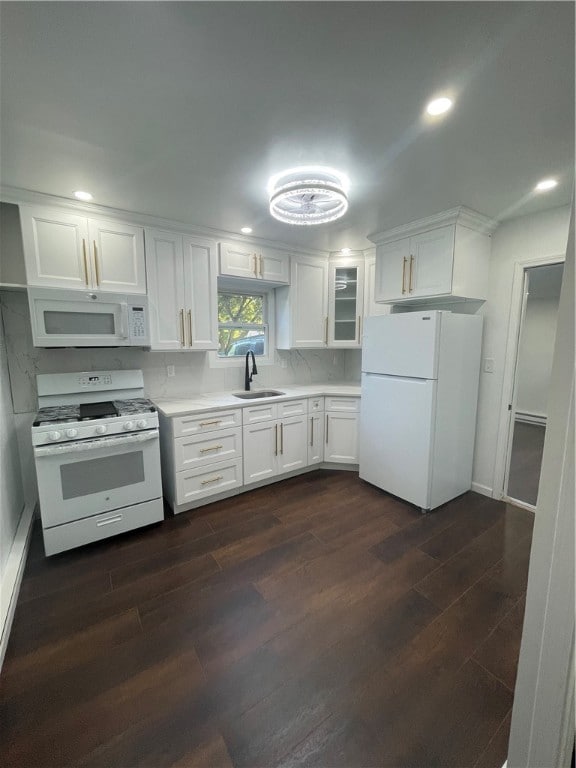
(97, 455)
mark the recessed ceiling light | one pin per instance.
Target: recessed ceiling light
(307, 195)
(439, 106)
(80, 195)
(246, 230)
(546, 184)
(345, 251)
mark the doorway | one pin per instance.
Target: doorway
(540, 299)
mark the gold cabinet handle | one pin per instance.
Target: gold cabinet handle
(211, 448)
(311, 431)
(327, 429)
(206, 423)
(326, 331)
(359, 328)
(96, 264)
(182, 339)
(260, 265)
(211, 480)
(85, 261)
(410, 288)
(189, 327)
(404, 260)
(255, 265)
(275, 439)
(281, 437)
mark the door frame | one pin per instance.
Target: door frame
(505, 427)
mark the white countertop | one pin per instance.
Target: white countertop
(212, 401)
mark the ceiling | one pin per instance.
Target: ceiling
(184, 110)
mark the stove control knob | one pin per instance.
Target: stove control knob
(54, 436)
(128, 425)
(101, 428)
(71, 432)
(141, 423)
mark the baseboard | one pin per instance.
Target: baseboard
(483, 489)
(530, 418)
(12, 578)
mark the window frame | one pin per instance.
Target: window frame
(268, 307)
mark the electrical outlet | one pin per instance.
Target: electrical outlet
(488, 365)
(170, 371)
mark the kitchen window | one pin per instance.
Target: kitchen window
(243, 326)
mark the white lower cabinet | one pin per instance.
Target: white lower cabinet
(214, 453)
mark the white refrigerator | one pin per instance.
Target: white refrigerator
(420, 373)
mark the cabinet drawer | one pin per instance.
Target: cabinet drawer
(315, 404)
(258, 413)
(70, 535)
(349, 404)
(207, 481)
(199, 423)
(198, 450)
(292, 408)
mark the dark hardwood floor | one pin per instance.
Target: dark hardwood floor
(315, 622)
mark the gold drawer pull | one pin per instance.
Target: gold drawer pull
(85, 261)
(211, 480)
(410, 288)
(190, 327)
(206, 423)
(311, 431)
(182, 339)
(404, 260)
(96, 264)
(212, 448)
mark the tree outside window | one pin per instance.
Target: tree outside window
(242, 325)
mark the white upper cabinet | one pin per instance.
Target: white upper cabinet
(443, 257)
(345, 302)
(64, 250)
(182, 295)
(302, 308)
(371, 307)
(118, 256)
(253, 262)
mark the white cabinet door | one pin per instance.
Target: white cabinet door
(117, 253)
(274, 267)
(316, 438)
(165, 269)
(309, 302)
(55, 248)
(345, 303)
(392, 261)
(238, 260)
(202, 293)
(292, 448)
(260, 450)
(430, 273)
(371, 308)
(341, 438)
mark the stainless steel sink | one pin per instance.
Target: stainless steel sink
(258, 395)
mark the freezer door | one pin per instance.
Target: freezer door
(405, 344)
(396, 435)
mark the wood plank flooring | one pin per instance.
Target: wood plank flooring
(315, 622)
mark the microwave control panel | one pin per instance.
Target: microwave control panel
(138, 324)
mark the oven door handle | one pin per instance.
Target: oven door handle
(98, 443)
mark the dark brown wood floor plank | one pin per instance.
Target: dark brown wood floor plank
(495, 754)
(307, 644)
(457, 574)
(500, 651)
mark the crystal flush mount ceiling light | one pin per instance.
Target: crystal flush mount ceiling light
(308, 195)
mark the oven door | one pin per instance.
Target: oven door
(88, 477)
(78, 319)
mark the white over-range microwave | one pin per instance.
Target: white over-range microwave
(64, 318)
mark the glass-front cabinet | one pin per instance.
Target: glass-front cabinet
(346, 303)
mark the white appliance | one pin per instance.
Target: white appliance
(65, 318)
(420, 373)
(97, 454)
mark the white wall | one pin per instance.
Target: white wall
(11, 490)
(529, 237)
(535, 355)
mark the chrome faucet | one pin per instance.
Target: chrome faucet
(247, 375)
